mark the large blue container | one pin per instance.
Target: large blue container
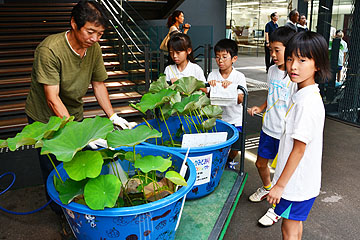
(156, 220)
(209, 161)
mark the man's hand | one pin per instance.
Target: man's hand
(119, 121)
(251, 111)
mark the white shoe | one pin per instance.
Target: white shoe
(259, 195)
(269, 218)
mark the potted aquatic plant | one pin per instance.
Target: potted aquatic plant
(182, 108)
(103, 192)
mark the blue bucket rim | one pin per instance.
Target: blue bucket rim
(125, 211)
(202, 149)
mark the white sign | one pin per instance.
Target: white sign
(203, 139)
(203, 168)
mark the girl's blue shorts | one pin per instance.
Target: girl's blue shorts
(292, 210)
(268, 146)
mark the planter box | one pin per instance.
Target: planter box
(156, 220)
(209, 161)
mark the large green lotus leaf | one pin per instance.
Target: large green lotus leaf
(102, 192)
(86, 164)
(70, 189)
(35, 132)
(188, 85)
(203, 101)
(150, 163)
(158, 85)
(131, 137)
(176, 178)
(209, 123)
(211, 111)
(75, 136)
(153, 100)
(187, 104)
(3, 143)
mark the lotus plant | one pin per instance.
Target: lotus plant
(183, 98)
(151, 177)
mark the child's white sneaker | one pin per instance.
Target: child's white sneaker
(269, 218)
(259, 195)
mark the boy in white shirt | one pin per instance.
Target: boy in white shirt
(278, 99)
(226, 51)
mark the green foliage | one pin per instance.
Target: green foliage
(86, 164)
(131, 137)
(176, 178)
(66, 140)
(183, 98)
(70, 189)
(152, 163)
(102, 192)
(35, 132)
(75, 136)
(188, 85)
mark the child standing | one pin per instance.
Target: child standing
(226, 51)
(297, 177)
(180, 50)
(278, 98)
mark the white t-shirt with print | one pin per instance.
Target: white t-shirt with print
(191, 69)
(304, 122)
(231, 114)
(280, 90)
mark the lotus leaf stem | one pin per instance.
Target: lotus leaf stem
(172, 141)
(55, 168)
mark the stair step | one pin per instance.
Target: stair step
(10, 81)
(34, 30)
(23, 52)
(23, 37)
(37, 23)
(38, 13)
(16, 61)
(115, 97)
(34, 18)
(12, 44)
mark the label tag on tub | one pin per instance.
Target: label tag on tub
(203, 139)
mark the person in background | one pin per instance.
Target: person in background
(342, 54)
(226, 51)
(175, 20)
(297, 178)
(275, 106)
(301, 26)
(269, 28)
(293, 19)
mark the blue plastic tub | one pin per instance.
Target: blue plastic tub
(156, 220)
(209, 161)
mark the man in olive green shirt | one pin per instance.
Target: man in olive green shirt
(64, 66)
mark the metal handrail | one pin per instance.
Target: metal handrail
(120, 36)
(131, 19)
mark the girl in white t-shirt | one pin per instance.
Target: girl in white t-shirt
(297, 177)
(180, 51)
